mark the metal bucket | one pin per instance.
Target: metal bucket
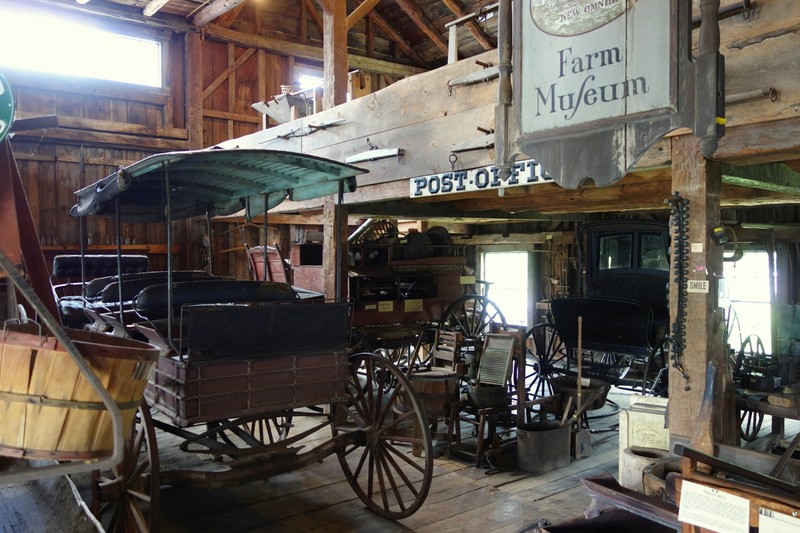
(438, 390)
(542, 446)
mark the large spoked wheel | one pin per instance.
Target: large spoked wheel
(126, 498)
(614, 366)
(750, 424)
(254, 431)
(546, 358)
(473, 316)
(390, 468)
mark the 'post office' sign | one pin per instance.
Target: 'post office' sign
(527, 172)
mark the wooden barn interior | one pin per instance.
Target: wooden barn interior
(544, 351)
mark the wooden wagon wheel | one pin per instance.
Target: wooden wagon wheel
(546, 358)
(390, 469)
(126, 498)
(750, 424)
(614, 365)
(255, 430)
(473, 316)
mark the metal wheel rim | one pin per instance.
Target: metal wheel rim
(382, 470)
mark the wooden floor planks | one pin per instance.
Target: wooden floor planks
(319, 499)
(462, 498)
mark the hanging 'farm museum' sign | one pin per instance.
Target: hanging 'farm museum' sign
(584, 69)
(596, 83)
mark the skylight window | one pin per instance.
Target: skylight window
(58, 46)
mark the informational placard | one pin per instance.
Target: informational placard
(713, 509)
(413, 305)
(386, 306)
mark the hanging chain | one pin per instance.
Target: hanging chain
(679, 220)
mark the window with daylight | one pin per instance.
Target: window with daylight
(59, 46)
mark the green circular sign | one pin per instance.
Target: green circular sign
(6, 107)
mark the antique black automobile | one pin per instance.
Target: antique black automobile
(619, 318)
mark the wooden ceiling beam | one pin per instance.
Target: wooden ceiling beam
(304, 51)
(395, 37)
(116, 12)
(773, 177)
(360, 12)
(416, 14)
(226, 20)
(214, 10)
(477, 32)
(326, 5)
(153, 6)
(311, 9)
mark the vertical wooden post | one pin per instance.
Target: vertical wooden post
(194, 89)
(334, 41)
(334, 238)
(699, 181)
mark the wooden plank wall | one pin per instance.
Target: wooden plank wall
(104, 126)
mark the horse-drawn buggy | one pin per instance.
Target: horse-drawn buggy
(254, 375)
(615, 329)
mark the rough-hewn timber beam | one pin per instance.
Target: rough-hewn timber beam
(214, 10)
(117, 12)
(774, 177)
(304, 51)
(390, 32)
(749, 144)
(153, 6)
(334, 39)
(360, 12)
(311, 9)
(477, 32)
(418, 16)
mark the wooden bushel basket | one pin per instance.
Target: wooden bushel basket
(48, 409)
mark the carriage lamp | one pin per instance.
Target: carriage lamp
(718, 235)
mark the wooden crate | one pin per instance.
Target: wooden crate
(191, 392)
(47, 407)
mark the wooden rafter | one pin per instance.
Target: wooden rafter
(312, 10)
(326, 5)
(304, 51)
(385, 27)
(153, 6)
(360, 12)
(480, 35)
(421, 20)
(390, 32)
(214, 10)
(226, 20)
